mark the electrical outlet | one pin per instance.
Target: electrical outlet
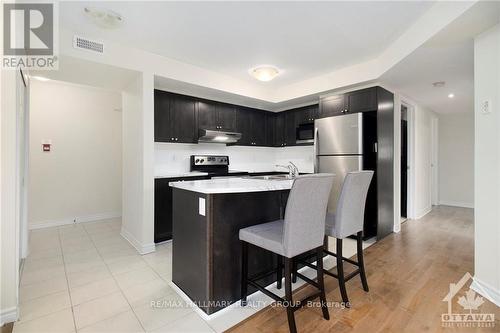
(485, 107)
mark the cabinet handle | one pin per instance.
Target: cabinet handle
(171, 139)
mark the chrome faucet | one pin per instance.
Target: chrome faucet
(293, 171)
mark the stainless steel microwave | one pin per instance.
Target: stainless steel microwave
(305, 133)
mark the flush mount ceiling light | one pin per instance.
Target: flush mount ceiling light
(104, 18)
(451, 95)
(264, 72)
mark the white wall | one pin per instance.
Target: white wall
(456, 159)
(80, 178)
(419, 157)
(487, 165)
(9, 198)
(138, 164)
(174, 158)
(423, 160)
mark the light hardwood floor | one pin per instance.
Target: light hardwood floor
(409, 274)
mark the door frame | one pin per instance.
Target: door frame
(435, 161)
(411, 185)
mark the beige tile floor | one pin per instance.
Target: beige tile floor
(87, 278)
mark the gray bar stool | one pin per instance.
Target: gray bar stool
(348, 221)
(302, 230)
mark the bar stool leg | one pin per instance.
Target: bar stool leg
(294, 271)
(321, 282)
(288, 295)
(361, 261)
(340, 273)
(279, 271)
(244, 272)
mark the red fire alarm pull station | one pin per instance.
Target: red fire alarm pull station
(46, 146)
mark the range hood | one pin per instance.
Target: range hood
(212, 136)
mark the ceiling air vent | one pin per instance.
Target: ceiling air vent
(87, 44)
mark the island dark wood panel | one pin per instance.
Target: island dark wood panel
(206, 249)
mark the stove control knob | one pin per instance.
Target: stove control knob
(202, 160)
(197, 160)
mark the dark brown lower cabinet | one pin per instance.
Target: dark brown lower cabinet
(163, 207)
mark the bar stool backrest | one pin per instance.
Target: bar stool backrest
(350, 213)
(304, 225)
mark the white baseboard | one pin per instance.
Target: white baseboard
(72, 220)
(141, 248)
(456, 204)
(485, 290)
(8, 316)
(423, 213)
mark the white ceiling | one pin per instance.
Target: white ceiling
(304, 39)
(449, 57)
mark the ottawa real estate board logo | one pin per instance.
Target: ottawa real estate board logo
(470, 302)
(30, 33)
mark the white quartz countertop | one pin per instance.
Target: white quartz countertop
(233, 185)
(180, 174)
(173, 174)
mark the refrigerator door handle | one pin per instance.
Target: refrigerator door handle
(316, 145)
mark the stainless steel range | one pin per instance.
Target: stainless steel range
(214, 165)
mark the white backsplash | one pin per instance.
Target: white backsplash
(302, 156)
(174, 157)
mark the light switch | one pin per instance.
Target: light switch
(201, 206)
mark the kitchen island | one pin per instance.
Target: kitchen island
(207, 217)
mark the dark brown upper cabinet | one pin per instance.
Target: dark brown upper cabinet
(258, 128)
(226, 117)
(285, 129)
(279, 130)
(362, 100)
(251, 123)
(244, 126)
(162, 116)
(183, 118)
(216, 116)
(175, 118)
(178, 118)
(270, 129)
(207, 117)
(332, 106)
(290, 129)
(306, 114)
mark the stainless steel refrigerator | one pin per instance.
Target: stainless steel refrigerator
(338, 143)
(343, 144)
